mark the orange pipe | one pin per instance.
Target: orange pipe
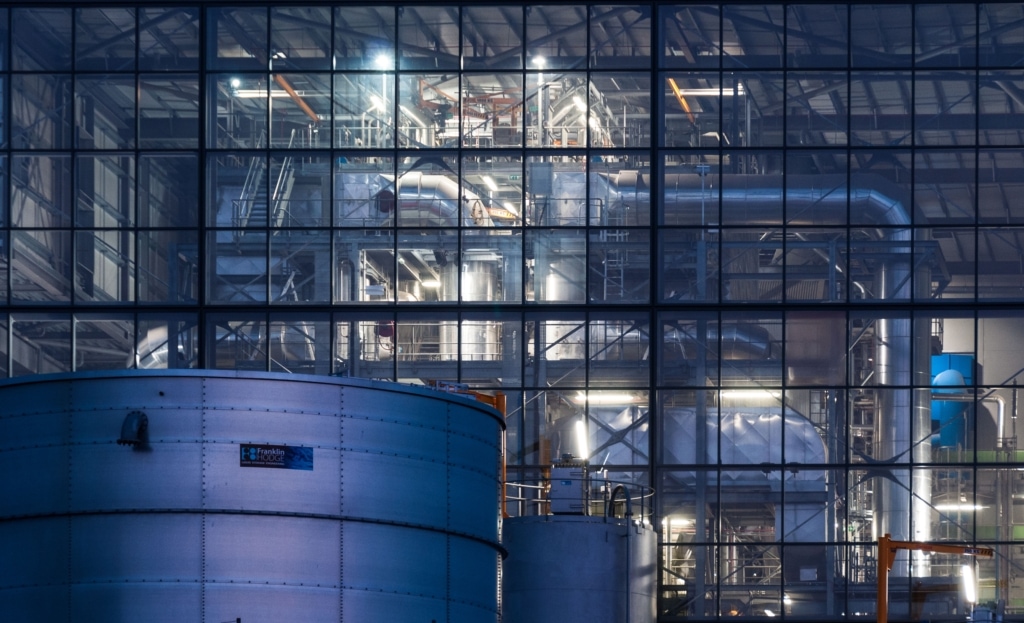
(284, 84)
(682, 100)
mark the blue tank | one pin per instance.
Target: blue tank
(216, 496)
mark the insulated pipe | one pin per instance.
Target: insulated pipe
(903, 350)
(436, 198)
(810, 200)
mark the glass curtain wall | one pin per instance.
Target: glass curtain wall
(770, 258)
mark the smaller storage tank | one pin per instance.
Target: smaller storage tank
(570, 558)
(173, 495)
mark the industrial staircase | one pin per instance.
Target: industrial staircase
(251, 208)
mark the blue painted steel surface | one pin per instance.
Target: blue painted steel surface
(579, 568)
(397, 520)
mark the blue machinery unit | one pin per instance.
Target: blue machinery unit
(217, 496)
(952, 376)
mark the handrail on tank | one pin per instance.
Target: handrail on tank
(532, 498)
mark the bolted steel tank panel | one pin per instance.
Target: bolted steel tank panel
(579, 568)
(257, 496)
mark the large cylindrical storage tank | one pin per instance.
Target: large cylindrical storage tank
(252, 496)
(579, 568)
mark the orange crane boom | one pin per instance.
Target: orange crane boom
(887, 549)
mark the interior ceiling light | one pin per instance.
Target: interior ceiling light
(750, 394)
(261, 93)
(595, 398)
(383, 61)
(959, 506)
(539, 61)
(490, 183)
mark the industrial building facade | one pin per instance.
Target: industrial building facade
(767, 257)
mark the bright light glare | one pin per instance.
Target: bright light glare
(959, 507)
(539, 61)
(235, 83)
(768, 612)
(378, 103)
(603, 398)
(970, 591)
(580, 104)
(383, 61)
(581, 439)
(431, 283)
(490, 183)
(750, 394)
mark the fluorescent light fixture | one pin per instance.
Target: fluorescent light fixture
(490, 183)
(750, 394)
(511, 208)
(581, 439)
(580, 104)
(768, 612)
(603, 398)
(710, 91)
(970, 590)
(261, 93)
(540, 61)
(383, 61)
(431, 283)
(961, 506)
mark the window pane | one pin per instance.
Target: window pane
(168, 39)
(236, 275)
(168, 266)
(42, 110)
(167, 341)
(492, 110)
(817, 35)
(559, 265)
(428, 37)
(105, 39)
(620, 36)
(364, 190)
(751, 36)
(41, 191)
(104, 342)
(364, 38)
(299, 105)
(300, 344)
(691, 36)
(237, 117)
(41, 266)
(42, 343)
(237, 38)
(105, 112)
(881, 35)
(300, 37)
(41, 39)
(168, 112)
(492, 37)
(364, 110)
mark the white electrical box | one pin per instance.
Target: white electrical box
(568, 493)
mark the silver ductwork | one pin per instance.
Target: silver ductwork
(903, 424)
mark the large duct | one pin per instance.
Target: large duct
(903, 424)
